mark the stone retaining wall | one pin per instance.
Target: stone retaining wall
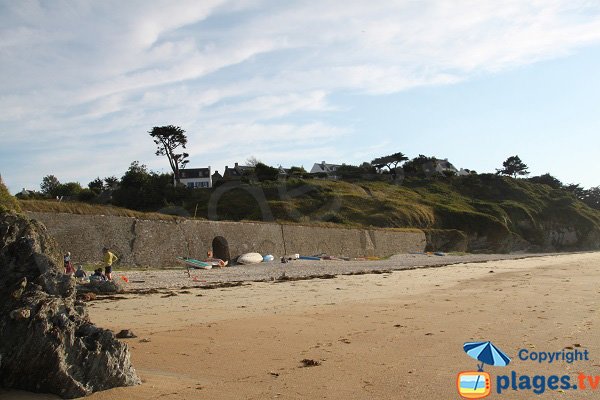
(156, 243)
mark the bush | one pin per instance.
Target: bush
(86, 195)
(7, 201)
(547, 179)
(334, 217)
(265, 173)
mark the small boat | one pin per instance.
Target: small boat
(250, 258)
(309, 258)
(193, 263)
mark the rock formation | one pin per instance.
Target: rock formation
(47, 342)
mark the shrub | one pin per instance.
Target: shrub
(7, 201)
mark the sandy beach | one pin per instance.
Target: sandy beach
(389, 335)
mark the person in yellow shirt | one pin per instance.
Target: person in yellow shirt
(109, 259)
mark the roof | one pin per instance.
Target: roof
(324, 167)
(237, 170)
(191, 173)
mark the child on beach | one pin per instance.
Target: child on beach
(69, 270)
(109, 259)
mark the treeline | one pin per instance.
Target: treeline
(145, 190)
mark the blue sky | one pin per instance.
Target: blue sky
(293, 83)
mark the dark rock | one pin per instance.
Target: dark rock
(47, 343)
(220, 249)
(104, 287)
(89, 296)
(126, 334)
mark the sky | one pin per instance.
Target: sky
(299, 82)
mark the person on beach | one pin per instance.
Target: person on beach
(80, 273)
(69, 270)
(109, 259)
(214, 261)
(97, 275)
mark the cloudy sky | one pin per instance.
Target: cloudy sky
(298, 82)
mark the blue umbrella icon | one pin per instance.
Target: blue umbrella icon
(487, 353)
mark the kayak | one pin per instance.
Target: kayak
(197, 264)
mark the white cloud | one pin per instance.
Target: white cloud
(249, 71)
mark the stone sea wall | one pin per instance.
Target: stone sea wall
(157, 243)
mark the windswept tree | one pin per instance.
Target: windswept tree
(390, 162)
(168, 139)
(513, 166)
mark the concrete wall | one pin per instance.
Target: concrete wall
(157, 243)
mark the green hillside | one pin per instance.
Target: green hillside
(496, 213)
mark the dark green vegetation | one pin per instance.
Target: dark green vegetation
(477, 212)
(496, 213)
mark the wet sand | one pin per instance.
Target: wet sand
(395, 335)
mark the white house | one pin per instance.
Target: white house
(196, 177)
(445, 165)
(323, 167)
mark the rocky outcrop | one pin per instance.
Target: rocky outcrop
(47, 342)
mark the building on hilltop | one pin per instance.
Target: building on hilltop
(216, 177)
(444, 165)
(323, 168)
(195, 178)
(237, 172)
(284, 172)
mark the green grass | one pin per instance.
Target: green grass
(490, 206)
(87, 209)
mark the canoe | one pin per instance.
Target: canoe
(193, 263)
(309, 258)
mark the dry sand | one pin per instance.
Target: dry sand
(395, 335)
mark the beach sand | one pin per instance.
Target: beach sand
(395, 335)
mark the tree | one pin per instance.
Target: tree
(576, 190)
(168, 139)
(253, 162)
(69, 189)
(513, 166)
(421, 166)
(346, 171)
(96, 186)
(591, 197)
(111, 182)
(547, 179)
(391, 161)
(49, 185)
(265, 173)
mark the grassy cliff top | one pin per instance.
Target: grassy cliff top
(486, 205)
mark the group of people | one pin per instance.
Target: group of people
(108, 260)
